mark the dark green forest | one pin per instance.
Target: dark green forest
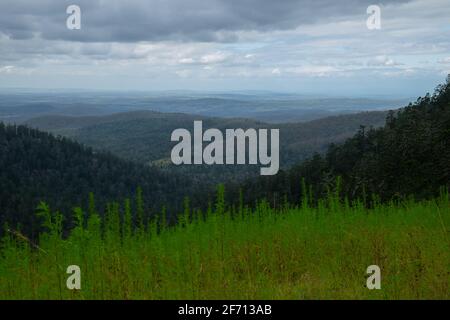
(409, 156)
(37, 166)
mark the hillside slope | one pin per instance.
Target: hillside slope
(36, 166)
(410, 155)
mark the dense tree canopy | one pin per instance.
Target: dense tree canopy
(409, 156)
(37, 166)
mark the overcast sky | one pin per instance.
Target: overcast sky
(304, 46)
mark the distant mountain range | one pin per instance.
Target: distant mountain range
(18, 107)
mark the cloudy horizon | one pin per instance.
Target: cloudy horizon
(304, 46)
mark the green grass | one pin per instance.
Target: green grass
(299, 252)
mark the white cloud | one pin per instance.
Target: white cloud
(186, 61)
(315, 71)
(183, 73)
(7, 69)
(213, 58)
(444, 60)
(382, 61)
(276, 71)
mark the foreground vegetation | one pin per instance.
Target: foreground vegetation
(295, 252)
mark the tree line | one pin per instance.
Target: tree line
(409, 156)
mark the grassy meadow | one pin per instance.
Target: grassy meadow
(297, 252)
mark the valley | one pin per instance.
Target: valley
(144, 136)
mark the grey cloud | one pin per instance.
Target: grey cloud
(194, 20)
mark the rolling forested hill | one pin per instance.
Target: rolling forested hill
(144, 137)
(36, 166)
